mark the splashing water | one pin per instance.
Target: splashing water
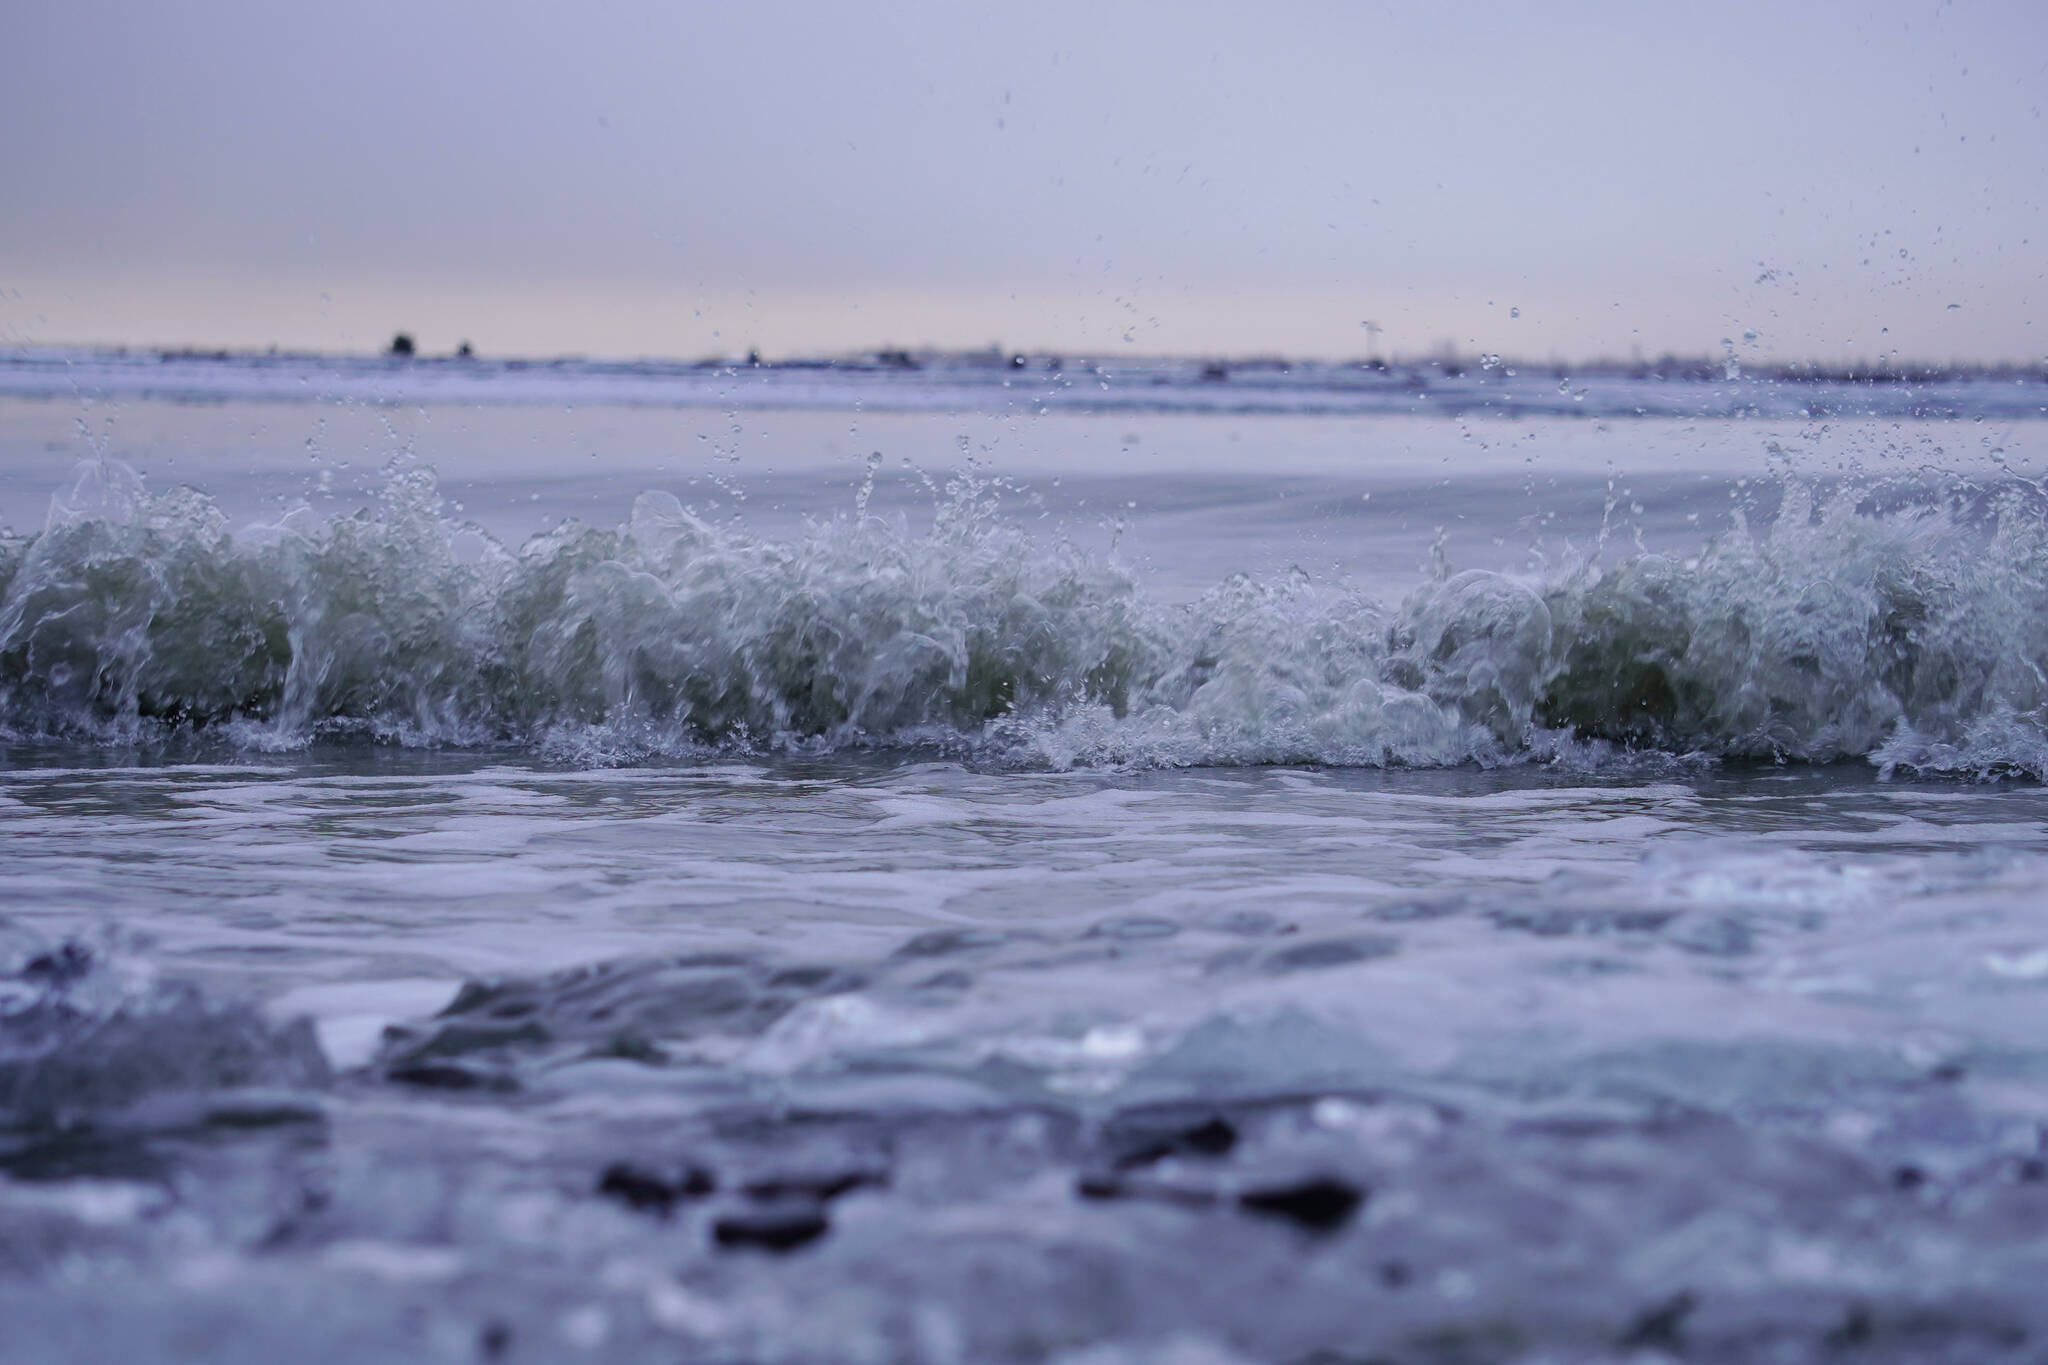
(1912, 638)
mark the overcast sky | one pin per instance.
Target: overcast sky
(632, 178)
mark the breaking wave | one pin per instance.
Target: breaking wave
(1914, 638)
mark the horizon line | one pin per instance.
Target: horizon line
(910, 358)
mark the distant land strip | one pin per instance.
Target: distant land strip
(1032, 382)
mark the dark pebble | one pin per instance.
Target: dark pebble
(1099, 1187)
(776, 1230)
(640, 1188)
(1320, 1205)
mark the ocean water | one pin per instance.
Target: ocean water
(976, 880)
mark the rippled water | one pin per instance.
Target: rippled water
(1576, 896)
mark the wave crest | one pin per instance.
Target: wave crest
(1914, 638)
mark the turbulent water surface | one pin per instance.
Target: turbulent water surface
(505, 883)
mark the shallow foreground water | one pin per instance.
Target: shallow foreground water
(1123, 888)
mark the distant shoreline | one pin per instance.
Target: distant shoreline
(1031, 383)
(1699, 368)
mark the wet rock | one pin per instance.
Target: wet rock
(654, 1192)
(771, 1229)
(1320, 1204)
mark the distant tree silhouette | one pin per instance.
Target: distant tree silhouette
(402, 344)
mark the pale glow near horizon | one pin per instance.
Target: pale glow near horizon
(1590, 180)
